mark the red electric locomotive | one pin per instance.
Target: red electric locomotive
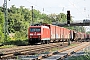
(38, 34)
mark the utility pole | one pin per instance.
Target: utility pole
(32, 15)
(6, 20)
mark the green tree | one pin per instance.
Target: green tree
(19, 19)
(61, 17)
(1, 26)
(88, 32)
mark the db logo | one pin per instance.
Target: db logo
(35, 33)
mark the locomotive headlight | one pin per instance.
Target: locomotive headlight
(30, 36)
(39, 36)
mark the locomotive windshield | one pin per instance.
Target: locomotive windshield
(35, 30)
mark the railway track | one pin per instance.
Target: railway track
(67, 52)
(28, 50)
(57, 55)
(6, 53)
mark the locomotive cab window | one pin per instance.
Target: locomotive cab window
(35, 29)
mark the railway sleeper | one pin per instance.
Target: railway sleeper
(1, 54)
(33, 57)
(72, 52)
(58, 56)
(55, 54)
(16, 53)
(27, 57)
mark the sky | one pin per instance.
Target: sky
(79, 9)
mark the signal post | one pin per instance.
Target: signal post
(68, 23)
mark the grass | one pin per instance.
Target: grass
(10, 44)
(7, 46)
(73, 44)
(82, 57)
(16, 42)
(56, 49)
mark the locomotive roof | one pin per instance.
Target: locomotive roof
(41, 26)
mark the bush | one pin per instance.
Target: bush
(16, 42)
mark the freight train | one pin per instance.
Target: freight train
(46, 33)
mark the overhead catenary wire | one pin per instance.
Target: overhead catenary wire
(87, 28)
(38, 6)
(77, 8)
(49, 12)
